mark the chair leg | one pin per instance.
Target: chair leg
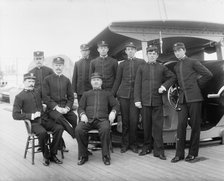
(62, 144)
(49, 138)
(111, 146)
(27, 145)
(62, 154)
(33, 150)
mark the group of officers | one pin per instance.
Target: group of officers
(104, 88)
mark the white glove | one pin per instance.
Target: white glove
(64, 111)
(75, 104)
(161, 89)
(44, 107)
(35, 115)
(59, 109)
(84, 118)
(112, 116)
(138, 105)
(75, 95)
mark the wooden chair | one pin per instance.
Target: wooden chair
(95, 132)
(32, 138)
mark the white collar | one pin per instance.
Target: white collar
(59, 74)
(104, 56)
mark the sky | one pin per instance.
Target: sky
(60, 26)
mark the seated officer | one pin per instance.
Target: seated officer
(58, 96)
(27, 105)
(93, 111)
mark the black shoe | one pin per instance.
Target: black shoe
(177, 159)
(144, 152)
(106, 160)
(46, 162)
(83, 160)
(55, 160)
(134, 149)
(161, 156)
(189, 158)
(124, 149)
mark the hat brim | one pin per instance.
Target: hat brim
(131, 46)
(103, 45)
(99, 77)
(57, 62)
(152, 50)
(39, 56)
(85, 49)
(30, 77)
(178, 47)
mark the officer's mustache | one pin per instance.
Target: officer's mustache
(31, 86)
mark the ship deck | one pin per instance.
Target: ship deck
(124, 166)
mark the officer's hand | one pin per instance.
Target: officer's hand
(84, 118)
(64, 111)
(59, 109)
(138, 105)
(161, 89)
(112, 116)
(75, 104)
(44, 107)
(75, 95)
(35, 115)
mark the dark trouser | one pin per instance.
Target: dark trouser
(79, 97)
(152, 118)
(193, 110)
(41, 131)
(81, 133)
(130, 117)
(64, 120)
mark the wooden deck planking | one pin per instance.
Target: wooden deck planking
(124, 166)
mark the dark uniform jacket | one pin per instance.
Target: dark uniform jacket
(188, 72)
(40, 74)
(94, 103)
(80, 79)
(57, 90)
(107, 68)
(149, 78)
(26, 103)
(125, 79)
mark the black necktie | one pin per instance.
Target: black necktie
(28, 90)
